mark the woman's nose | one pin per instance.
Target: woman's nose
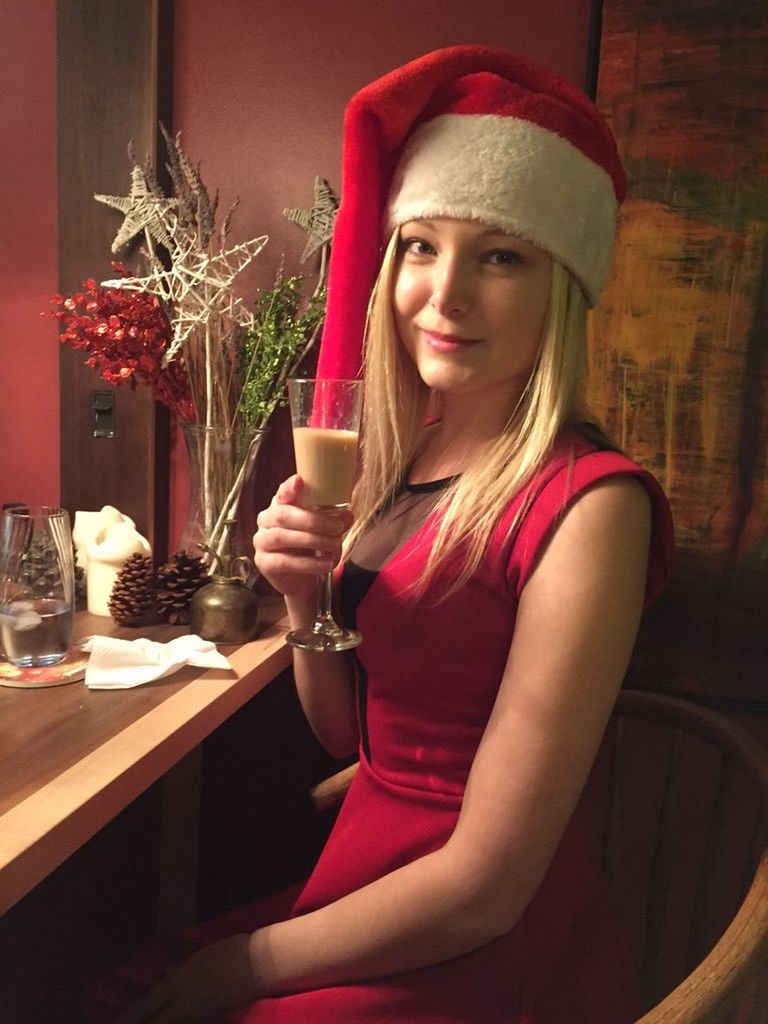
(452, 289)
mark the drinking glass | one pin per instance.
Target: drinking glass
(37, 585)
(325, 415)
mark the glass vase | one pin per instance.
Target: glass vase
(221, 466)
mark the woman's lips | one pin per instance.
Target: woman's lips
(447, 342)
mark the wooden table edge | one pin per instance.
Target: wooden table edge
(40, 832)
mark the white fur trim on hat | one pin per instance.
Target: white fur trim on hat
(514, 175)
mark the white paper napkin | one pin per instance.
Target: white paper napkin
(119, 664)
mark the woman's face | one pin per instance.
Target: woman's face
(470, 304)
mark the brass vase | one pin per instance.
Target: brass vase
(225, 611)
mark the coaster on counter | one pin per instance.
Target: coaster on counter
(70, 670)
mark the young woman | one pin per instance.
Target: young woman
(497, 565)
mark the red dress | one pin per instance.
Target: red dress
(430, 677)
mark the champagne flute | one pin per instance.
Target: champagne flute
(325, 415)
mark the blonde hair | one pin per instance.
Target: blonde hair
(394, 413)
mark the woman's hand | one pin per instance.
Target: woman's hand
(216, 978)
(288, 537)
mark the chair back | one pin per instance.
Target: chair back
(681, 798)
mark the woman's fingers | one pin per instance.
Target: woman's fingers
(291, 517)
(292, 544)
(289, 491)
(278, 539)
(283, 563)
(286, 511)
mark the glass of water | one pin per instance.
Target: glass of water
(37, 585)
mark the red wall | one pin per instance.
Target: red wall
(260, 89)
(29, 356)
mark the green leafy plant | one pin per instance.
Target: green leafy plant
(275, 346)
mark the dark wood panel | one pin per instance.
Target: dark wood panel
(90, 914)
(114, 73)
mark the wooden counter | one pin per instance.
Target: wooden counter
(72, 758)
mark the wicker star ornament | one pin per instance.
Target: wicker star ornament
(143, 211)
(196, 282)
(319, 220)
(197, 287)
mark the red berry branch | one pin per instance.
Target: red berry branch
(126, 334)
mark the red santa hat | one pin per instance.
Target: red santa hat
(473, 133)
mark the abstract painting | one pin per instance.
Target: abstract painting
(679, 345)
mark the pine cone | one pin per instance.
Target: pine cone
(79, 574)
(134, 591)
(40, 567)
(177, 582)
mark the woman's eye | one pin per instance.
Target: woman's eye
(416, 247)
(503, 257)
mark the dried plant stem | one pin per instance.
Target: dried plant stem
(323, 268)
(208, 430)
(219, 535)
(150, 245)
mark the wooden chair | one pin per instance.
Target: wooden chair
(680, 798)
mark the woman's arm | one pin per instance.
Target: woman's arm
(325, 684)
(575, 629)
(284, 552)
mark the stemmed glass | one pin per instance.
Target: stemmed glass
(37, 585)
(325, 415)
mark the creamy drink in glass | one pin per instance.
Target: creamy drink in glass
(326, 460)
(325, 415)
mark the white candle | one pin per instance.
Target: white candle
(88, 525)
(107, 554)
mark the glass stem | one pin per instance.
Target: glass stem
(324, 618)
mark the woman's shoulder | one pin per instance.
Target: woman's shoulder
(579, 462)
